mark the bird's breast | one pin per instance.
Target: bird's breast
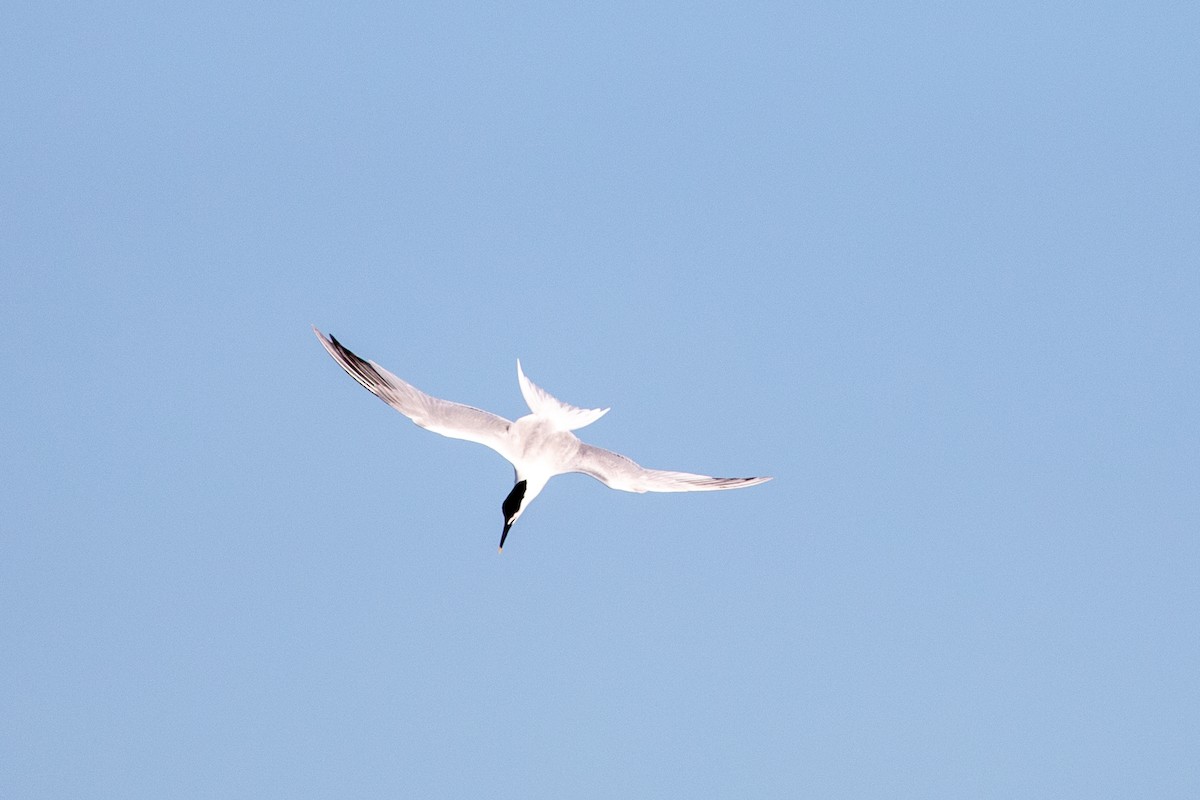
(540, 446)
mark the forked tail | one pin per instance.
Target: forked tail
(547, 405)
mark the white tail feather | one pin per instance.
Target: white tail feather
(546, 405)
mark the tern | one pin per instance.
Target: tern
(539, 445)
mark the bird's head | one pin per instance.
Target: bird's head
(513, 506)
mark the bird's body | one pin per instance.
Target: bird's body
(539, 445)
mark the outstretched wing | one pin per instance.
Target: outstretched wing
(440, 416)
(618, 472)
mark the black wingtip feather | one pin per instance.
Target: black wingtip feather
(359, 369)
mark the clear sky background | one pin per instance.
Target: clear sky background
(932, 266)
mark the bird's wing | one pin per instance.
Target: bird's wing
(618, 472)
(440, 416)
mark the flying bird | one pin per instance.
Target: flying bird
(539, 445)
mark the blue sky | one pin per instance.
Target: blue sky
(933, 267)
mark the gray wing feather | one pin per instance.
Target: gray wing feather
(454, 420)
(618, 472)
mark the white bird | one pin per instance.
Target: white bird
(539, 445)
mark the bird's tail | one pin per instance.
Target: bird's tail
(546, 405)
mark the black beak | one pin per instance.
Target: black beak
(504, 535)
